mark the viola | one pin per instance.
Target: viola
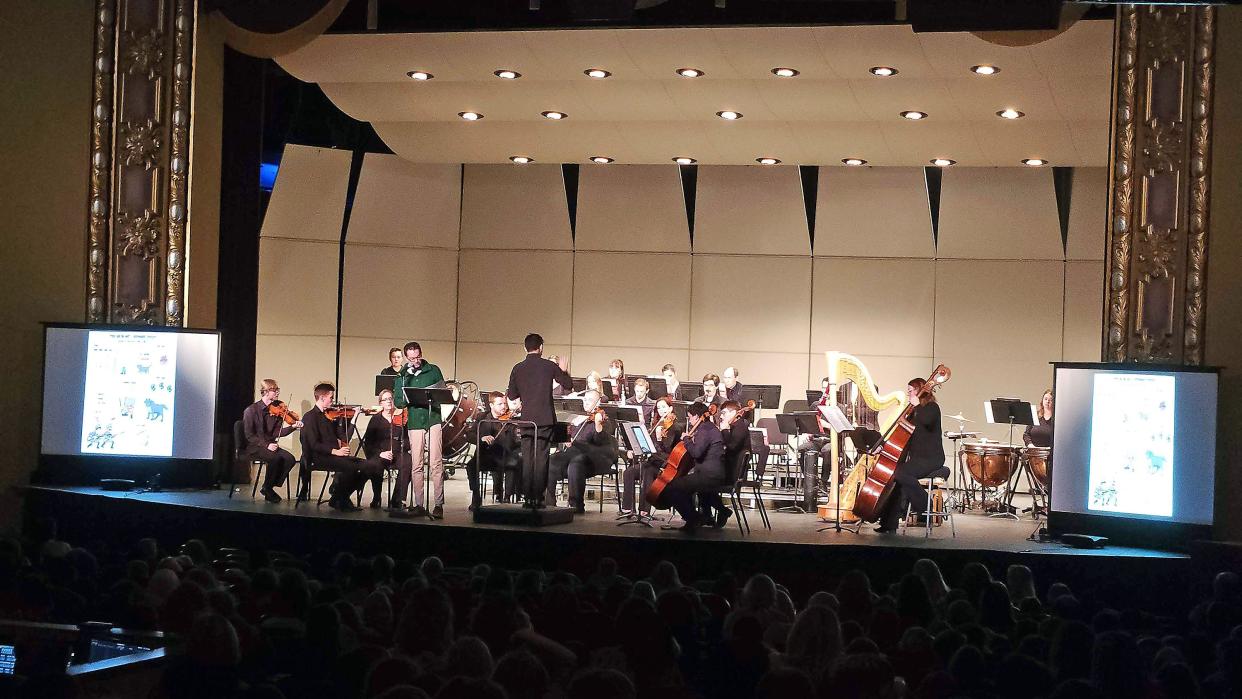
(875, 491)
(677, 464)
(282, 411)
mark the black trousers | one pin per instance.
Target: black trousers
(278, 462)
(505, 467)
(535, 462)
(680, 493)
(907, 490)
(403, 464)
(577, 466)
(351, 472)
(647, 470)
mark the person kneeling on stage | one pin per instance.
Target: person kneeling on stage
(499, 452)
(705, 449)
(735, 431)
(665, 440)
(262, 429)
(593, 451)
(385, 440)
(328, 451)
(924, 454)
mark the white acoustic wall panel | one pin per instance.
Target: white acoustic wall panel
(875, 307)
(873, 212)
(297, 286)
(755, 304)
(404, 292)
(639, 361)
(998, 325)
(488, 363)
(750, 211)
(786, 369)
(1088, 214)
(518, 207)
(406, 204)
(364, 357)
(631, 299)
(999, 214)
(308, 199)
(503, 295)
(1084, 311)
(638, 208)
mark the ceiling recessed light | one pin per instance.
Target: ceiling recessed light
(913, 115)
(683, 160)
(419, 75)
(729, 115)
(1010, 113)
(784, 72)
(597, 73)
(1034, 162)
(883, 71)
(521, 159)
(554, 116)
(601, 159)
(943, 162)
(690, 72)
(470, 116)
(984, 70)
(854, 161)
(507, 74)
(768, 161)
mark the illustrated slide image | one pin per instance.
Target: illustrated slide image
(129, 393)
(1132, 425)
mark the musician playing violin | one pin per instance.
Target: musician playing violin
(705, 449)
(924, 453)
(262, 428)
(423, 425)
(500, 451)
(667, 434)
(642, 401)
(593, 451)
(385, 440)
(329, 451)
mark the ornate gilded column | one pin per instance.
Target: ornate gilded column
(140, 119)
(1159, 187)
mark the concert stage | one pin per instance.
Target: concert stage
(793, 551)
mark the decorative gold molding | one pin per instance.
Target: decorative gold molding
(1202, 74)
(99, 202)
(178, 164)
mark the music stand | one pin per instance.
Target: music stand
(622, 413)
(680, 409)
(639, 443)
(838, 423)
(1010, 411)
(689, 391)
(798, 424)
(568, 405)
(657, 387)
(764, 395)
(813, 397)
(578, 385)
(385, 381)
(431, 399)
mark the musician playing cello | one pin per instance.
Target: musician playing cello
(705, 449)
(666, 437)
(924, 454)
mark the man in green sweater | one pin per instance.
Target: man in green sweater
(423, 424)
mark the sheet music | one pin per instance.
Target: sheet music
(835, 418)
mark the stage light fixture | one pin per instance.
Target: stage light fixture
(690, 72)
(419, 75)
(601, 159)
(729, 115)
(913, 115)
(683, 160)
(1010, 113)
(854, 161)
(984, 70)
(554, 116)
(597, 73)
(1034, 162)
(883, 71)
(784, 72)
(768, 161)
(505, 74)
(470, 116)
(943, 162)
(521, 159)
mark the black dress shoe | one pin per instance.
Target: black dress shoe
(270, 495)
(721, 518)
(375, 504)
(437, 512)
(885, 530)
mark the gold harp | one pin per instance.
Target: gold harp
(846, 369)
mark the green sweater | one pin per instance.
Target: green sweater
(426, 376)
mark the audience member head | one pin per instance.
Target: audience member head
(1021, 584)
(601, 683)
(863, 676)
(814, 641)
(522, 675)
(927, 571)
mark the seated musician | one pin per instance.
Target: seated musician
(615, 386)
(665, 440)
(640, 399)
(815, 448)
(705, 449)
(262, 429)
(1041, 435)
(730, 387)
(328, 450)
(387, 441)
(669, 372)
(735, 430)
(592, 451)
(924, 454)
(593, 383)
(711, 391)
(500, 452)
(396, 360)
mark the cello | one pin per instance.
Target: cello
(677, 464)
(878, 486)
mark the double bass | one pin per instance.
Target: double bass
(875, 491)
(677, 464)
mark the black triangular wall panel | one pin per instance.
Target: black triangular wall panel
(934, 176)
(569, 173)
(810, 196)
(689, 190)
(1063, 186)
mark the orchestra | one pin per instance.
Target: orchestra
(685, 468)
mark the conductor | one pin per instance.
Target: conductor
(531, 383)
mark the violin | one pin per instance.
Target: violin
(348, 412)
(282, 411)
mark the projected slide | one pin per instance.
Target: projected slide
(1132, 444)
(129, 393)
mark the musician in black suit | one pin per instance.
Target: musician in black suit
(735, 431)
(924, 454)
(730, 387)
(593, 451)
(642, 401)
(705, 449)
(323, 439)
(530, 382)
(386, 441)
(261, 430)
(711, 391)
(500, 451)
(665, 440)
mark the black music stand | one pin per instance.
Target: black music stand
(798, 424)
(431, 399)
(639, 442)
(764, 395)
(689, 391)
(657, 387)
(837, 419)
(385, 381)
(1009, 411)
(813, 397)
(578, 385)
(568, 405)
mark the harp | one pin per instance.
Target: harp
(855, 392)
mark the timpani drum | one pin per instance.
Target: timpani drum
(1037, 460)
(989, 463)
